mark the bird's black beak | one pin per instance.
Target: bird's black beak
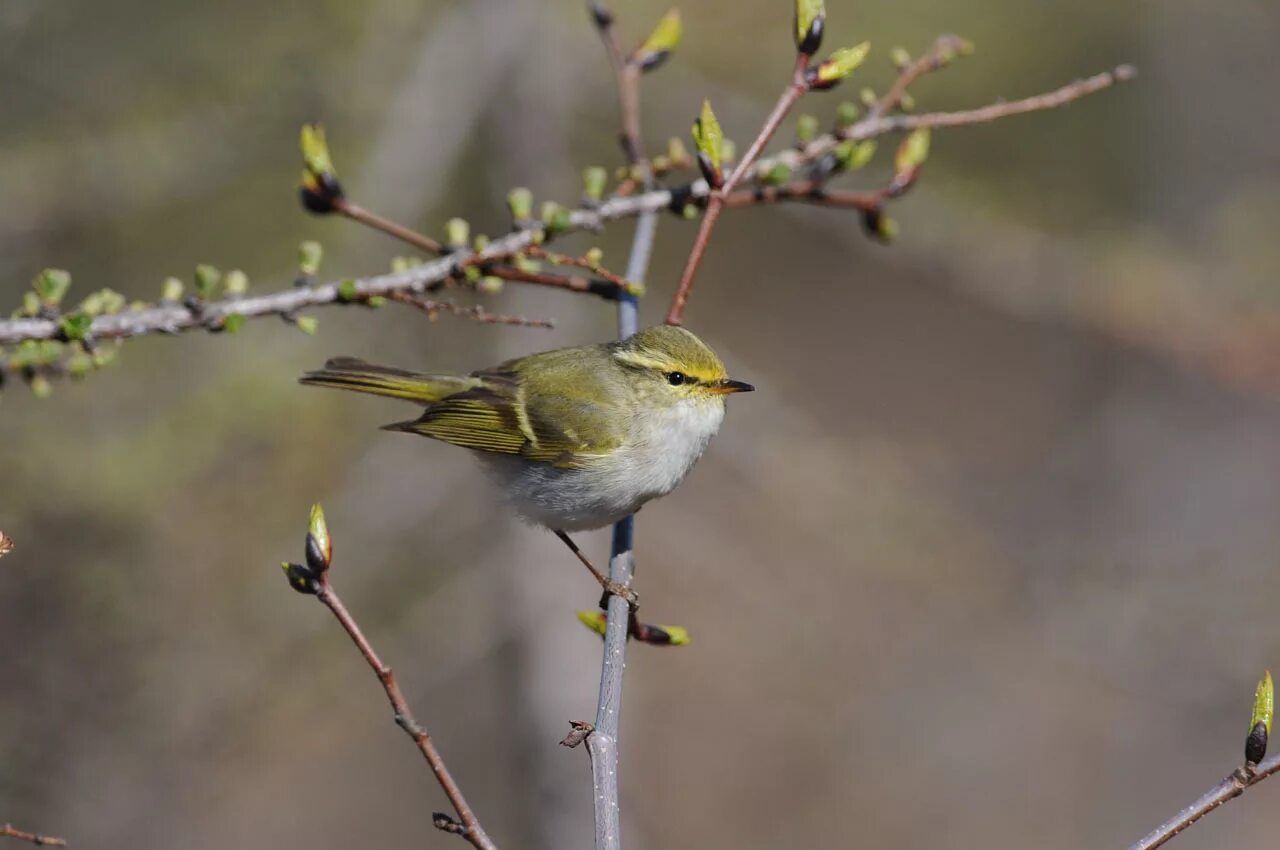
(728, 385)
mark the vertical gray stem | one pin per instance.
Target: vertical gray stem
(602, 743)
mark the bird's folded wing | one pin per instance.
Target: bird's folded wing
(565, 429)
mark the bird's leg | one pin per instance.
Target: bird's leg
(610, 586)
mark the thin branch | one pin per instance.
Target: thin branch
(174, 317)
(1228, 789)
(794, 91)
(477, 312)
(470, 827)
(602, 740)
(8, 830)
(355, 212)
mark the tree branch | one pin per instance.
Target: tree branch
(8, 830)
(602, 741)
(793, 92)
(313, 579)
(1228, 789)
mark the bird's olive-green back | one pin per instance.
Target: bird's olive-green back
(560, 407)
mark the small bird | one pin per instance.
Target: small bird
(577, 438)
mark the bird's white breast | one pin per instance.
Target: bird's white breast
(662, 446)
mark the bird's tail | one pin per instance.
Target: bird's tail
(348, 373)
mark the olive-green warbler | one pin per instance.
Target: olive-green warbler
(577, 437)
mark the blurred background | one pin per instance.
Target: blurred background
(991, 559)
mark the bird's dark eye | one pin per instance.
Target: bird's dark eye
(675, 379)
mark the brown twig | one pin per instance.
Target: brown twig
(937, 56)
(8, 830)
(470, 827)
(1228, 789)
(387, 226)
(537, 252)
(477, 312)
(793, 92)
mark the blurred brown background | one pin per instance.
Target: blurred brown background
(989, 561)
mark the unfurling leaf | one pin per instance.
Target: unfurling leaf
(811, 18)
(236, 282)
(708, 138)
(75, 325)
(594, 179)
(555, 218)
(207, 278)
(233, 322)
(52, 284)
(171, 289)
(1264, 702)
(315, 150)
(806, 128)
(855, 155)
(594, 620)
(490, 285)
(310, 255)
(520, 202)
(913, 151)
(900, 57)
(320, 187)
(308, 324)
(658, 46)
(319, 547)
(846, 114)
(839, 65)
(457, 233)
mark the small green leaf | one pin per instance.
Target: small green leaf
(806, 128)
(310, 255)
(841, 64)
(900, 57)
(40, 386)
(457, 233)
(520, 201)
(594, 257)
(30, 304)
(236, 283)
(206, 280)
(708, 138)
(52, 284)
(658, 46)
(75, 325)
(348, 291)
(594, 180)
(555, 218)
(233, 322)
(490, 285)
(315, 150)
(855, 155)
(595, 620)
(846, 113)
(171, 289)
(308, 325)
(913, 151)
(811, 16)
(775, 175)
(1264, 703)
(319, 547)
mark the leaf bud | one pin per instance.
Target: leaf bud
(811, 17)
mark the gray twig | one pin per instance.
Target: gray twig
(1228, 789)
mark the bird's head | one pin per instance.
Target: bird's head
(673, 364)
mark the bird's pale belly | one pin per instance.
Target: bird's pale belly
(605, 489)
